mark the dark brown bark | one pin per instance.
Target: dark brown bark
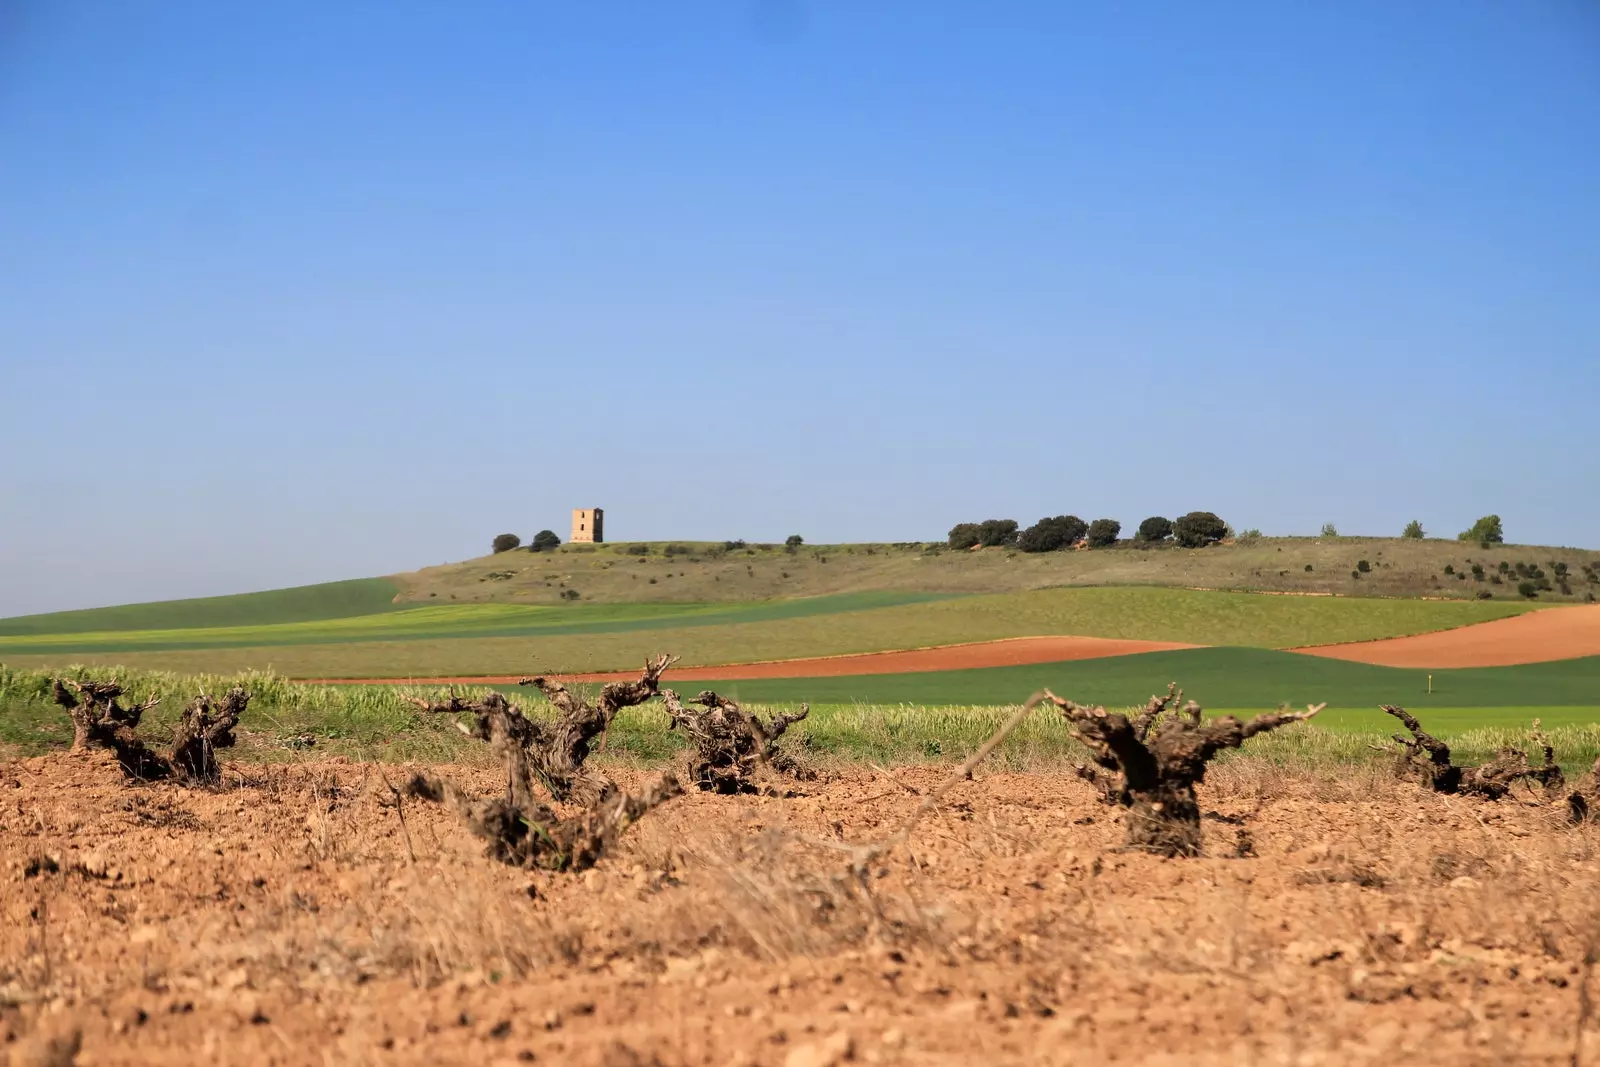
(520, 828)
(1428, 758)
(206, 726)
(731, 744)
(100, 721)
(1151, 764)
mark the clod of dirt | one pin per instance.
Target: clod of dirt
(730, 743)
(100, 721)
(1428, 759)
(520, 829)
(1151, 764)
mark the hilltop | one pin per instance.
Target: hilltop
(645, 572)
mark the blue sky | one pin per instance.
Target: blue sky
(298, 291)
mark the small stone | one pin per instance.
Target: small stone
(828, 1052)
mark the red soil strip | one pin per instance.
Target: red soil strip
(1537, 637)
(1011, 652)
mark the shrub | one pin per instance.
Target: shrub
(1477, 571)
(793, 541)
(1308, 568)
(638, 550)
(1330, 530)
(1527, 589)
(1250, 536)
(1566, 590)
(1449, 568)
(994, 533)
(1495, 579)
(506, 542)
(1413, 531)
(1484, 594)
(677, 550)
(733, 545)
(965, 535)
(569, 594)
(1103, 532)
(1363, 566)
(1199, 528)
(544, 541)
(1486, 531)
(1356, 575)
(1154, 530)
(1051, 535)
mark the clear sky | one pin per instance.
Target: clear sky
(295, 290)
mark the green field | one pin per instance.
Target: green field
(300, 604)
(373, 722)
(481, 639)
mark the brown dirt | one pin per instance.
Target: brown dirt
(283, 920)
(1009, 652)
(1536, 637)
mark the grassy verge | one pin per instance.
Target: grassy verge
(292, 721)
(414, 645)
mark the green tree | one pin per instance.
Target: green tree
(794, 541)
(1154, 530)
(965, 535)
(505, 542)
(1486, 531)
(545, 540)
(1103, 532)
(1330, 530)
(1413, 531)
(997, 532)
(1199, 528)
(1051, 535)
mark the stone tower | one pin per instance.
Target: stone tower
(588, 526)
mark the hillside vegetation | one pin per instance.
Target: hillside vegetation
(700, 572)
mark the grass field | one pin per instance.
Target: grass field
(940, 720)
(305, 603)
(484, 639)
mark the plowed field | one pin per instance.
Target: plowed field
(293, 918)
(1537, 637)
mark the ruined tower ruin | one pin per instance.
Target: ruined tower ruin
(588, 526)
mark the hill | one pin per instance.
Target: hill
(697, 571)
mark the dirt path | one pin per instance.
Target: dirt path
(1537, 637)
(1011, 652)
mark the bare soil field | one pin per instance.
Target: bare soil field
(1537, 637)
(292, 916)
(1007, 652)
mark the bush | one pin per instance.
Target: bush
(506, 542)
(638, 550)
(1484, 594)
(1251, 536)
(793, 541)
(544, 541)
(569, 594)
(1103, 532)
(1199, 528)
(1154, 530)
(1486, 531)
(1477, 571)
(965, 535)
(1052, 535)
(1363, 566)
(733, 545)
(1356, 575)
(995, 533)
(1308, 568)
(1527, 589)
(1330, 530)
(677, 550)
(1449, 568)
(1413, 531)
